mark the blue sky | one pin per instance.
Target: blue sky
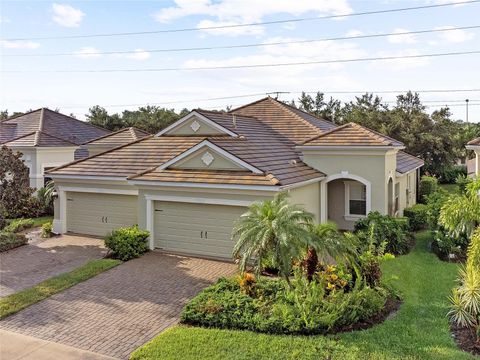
(76, 92)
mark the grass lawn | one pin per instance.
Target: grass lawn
(22, 299)
(419, 330)
(41, 220)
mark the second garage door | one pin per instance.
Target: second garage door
(98, 214)
(196, 229)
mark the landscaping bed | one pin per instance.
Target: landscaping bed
(9, 241)
(466, 339)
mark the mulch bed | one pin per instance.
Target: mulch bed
(389, 310)
(466, 339)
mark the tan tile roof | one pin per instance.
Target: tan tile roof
(474, 142)
(352, 134)
(120, 137)
(130, 159)
(51, 122)
(208, 177)
(39, 139)
(293, 124)
(407, 162)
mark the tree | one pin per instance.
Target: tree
(99, 116)
(272, 227)
(15, 192)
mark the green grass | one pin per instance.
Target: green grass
(451, 188)
(419, 330)
(22, 299)
(39, 221)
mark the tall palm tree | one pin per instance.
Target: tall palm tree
(272, 226)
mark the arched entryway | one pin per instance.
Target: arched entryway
(345, 199)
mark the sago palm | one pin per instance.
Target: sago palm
(274, 227)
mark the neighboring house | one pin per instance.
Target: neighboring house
(47, 139)
(190, 182)
(473, 165)
(115, 139)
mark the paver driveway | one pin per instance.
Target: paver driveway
(122, 308)
(28, 265)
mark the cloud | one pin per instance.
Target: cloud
(139, 54)
(455, 36)
(234, 12)
(19, 44)
(88, 52)
(400, 64)
(401, 39)
(66, 15)
(354, 32)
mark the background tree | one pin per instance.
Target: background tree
(15, 192)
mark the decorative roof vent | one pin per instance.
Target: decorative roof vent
(195, 126)
(234, 120)
(292, 162)
(207, 158)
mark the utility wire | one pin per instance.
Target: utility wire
(294, 20)
(204, 48)
(333, 61)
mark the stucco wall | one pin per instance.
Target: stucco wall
(373, 166)
(307, 196)
(477, 158)
(336, 205)
(408, 190)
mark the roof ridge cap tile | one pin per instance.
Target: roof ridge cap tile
(327, 133)
(284, 107)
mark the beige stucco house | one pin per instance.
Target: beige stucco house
(474, 164)
(47, 139)
(190, 182)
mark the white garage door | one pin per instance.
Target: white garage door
(98, 214)
(196, 229)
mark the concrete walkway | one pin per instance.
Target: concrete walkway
(14, 346)
(30, 264)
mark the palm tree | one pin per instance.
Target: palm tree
(272, 227)
(328, 243)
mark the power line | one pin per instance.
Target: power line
(390, 91)
(204, 48)
(294, 20)
(333, 61)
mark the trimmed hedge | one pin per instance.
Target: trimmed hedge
(428, 185)
(10, 241)
(417, 216)
(127, 243)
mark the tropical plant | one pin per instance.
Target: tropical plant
(45, 197)
(274, 227)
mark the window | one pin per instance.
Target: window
(356, 199)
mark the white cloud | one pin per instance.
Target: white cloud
(401, 39)
(88, 52)
(66, 15)
(139, 54)
(234, 12)
(455, 36)
(354, 32)
(400, 64)
(441, 2)
(19, 44)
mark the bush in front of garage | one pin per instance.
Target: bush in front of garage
(127, 243)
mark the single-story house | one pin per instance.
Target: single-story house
(473, 165)
(188, 184)
(47, 139)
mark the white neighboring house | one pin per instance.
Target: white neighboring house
(474, 164)
(47, 139)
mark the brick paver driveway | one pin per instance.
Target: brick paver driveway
(122, 308)
(39, 260)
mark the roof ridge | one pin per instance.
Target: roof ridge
(252, 103)
(19, 115)
(107, 135)
(40, 123)
(19, 137)
(379, 134)
(327, 133)
(72, 118)
(56, 137)
(102, 153)
(305, 112)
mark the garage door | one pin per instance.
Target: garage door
(196, 229)
(98, 214)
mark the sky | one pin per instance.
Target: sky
(77, 80)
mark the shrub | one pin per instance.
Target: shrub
(435, 202)
(448, 246)
(370, 269)
(449, 174)
(428, 185)
(10, 240)
(303, 307)
(18, 225)
(417, 216)
(45, 200)
(47, 230)
(379, 233)
(462, 182)
(127, 243)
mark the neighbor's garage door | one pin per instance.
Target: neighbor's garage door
(98, 214)
(196, 229)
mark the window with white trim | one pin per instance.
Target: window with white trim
(356, 199)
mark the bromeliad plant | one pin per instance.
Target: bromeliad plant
(273, 228)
